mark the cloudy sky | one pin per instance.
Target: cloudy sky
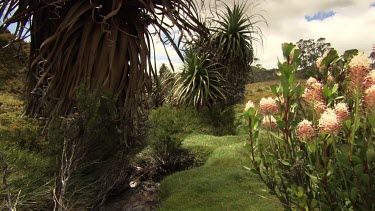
(346, 24)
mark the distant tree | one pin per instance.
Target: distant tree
(311, 51)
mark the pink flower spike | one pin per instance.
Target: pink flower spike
(268, 106)
(369, 99)
(269, 122)
(328, 122)
(305, 130)
(370, 79)
(360, 60)
(342, 112)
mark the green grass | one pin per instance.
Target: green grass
(30, 172)
(222, 183)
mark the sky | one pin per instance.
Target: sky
(346, 24)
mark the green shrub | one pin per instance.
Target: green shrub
(168, 126)
(93, 137)
(221, 120)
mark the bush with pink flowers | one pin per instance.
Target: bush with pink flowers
(318, 151)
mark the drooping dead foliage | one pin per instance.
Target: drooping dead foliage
(105, 44)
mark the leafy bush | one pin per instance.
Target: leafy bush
(319, 152)
(93, 159)
(168, 126)
(221, 119)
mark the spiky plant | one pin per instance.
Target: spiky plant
(234, 38)
(103, 44)
(199, 84)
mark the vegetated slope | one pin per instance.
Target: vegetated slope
(222, 183)
(29, 171)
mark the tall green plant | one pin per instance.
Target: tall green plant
(234, 38)
(319, 151)
(199, 84)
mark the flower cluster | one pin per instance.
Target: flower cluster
(359, 67)
(313, 94)
(319, 107)
(249, 105)
(319, 60)
(305, 130)
(369, 99)
(360, 60)
(268, 106)
(370, 79)
(269, 122)
(342, 112)
(328, 122)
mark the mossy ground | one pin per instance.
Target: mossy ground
(222, 183)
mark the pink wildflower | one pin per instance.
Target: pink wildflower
(359, 67)
(249, 105)
(360, 60)
(268, 106)
(328, 122)
(319, 107)
(342, 112)
(305, 130)
(310, 82)
(313, 92)
(369, 99)
(370, 79)
(320, 59)
(269, 122)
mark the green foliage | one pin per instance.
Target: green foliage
(13, 59)
(31, 169)
(163, 87)
(93, 138)
(30, 175)
(221, 119)
(199, 84)
(18, 131)
(168, 127)
(319, 169)
(230, 45)
(233, 37)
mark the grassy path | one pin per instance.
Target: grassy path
(222, 183)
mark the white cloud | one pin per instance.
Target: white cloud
(349, 28)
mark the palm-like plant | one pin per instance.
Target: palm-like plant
(103, 44)
(199, 84)
(234, 37)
